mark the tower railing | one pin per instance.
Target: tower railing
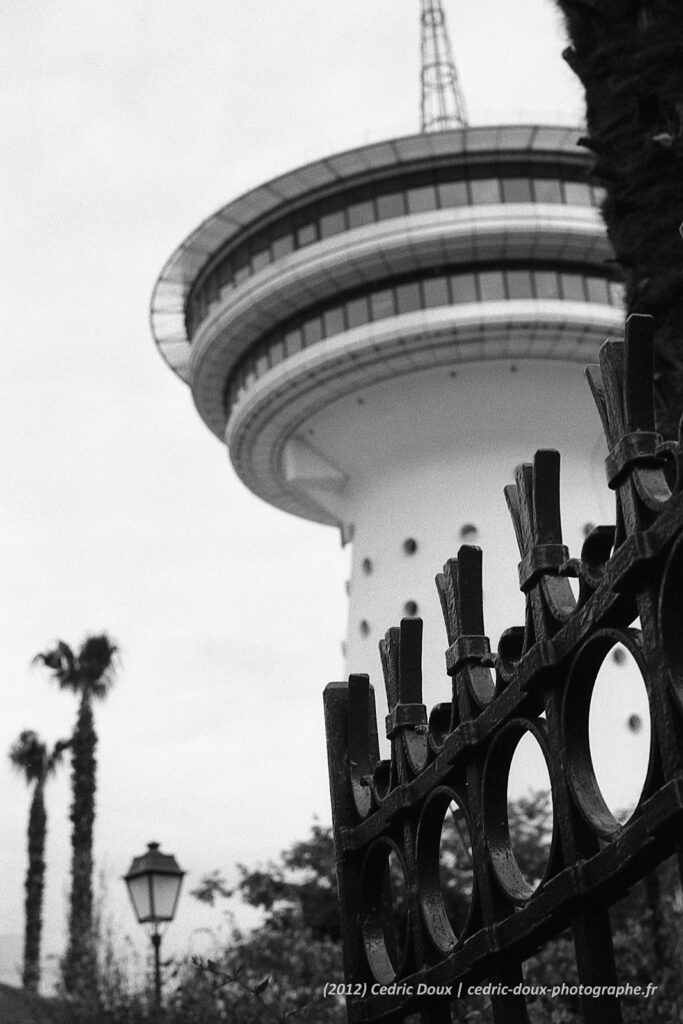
(410, 946)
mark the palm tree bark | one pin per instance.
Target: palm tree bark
(30, 756)
(90, 674)
(35, 883)
(627, 54)
(78, 968)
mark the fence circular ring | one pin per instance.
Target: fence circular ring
(496, 775)
(373, 910)
(440, 725)
(434, 914)
(669, 614)
(576, 704)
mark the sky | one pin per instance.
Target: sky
(124, 125)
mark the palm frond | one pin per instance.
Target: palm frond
(28, 754)
(91, 671)
(56, 756)
(98, 659)
(62, 663)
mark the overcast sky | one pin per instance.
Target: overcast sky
(125, 124)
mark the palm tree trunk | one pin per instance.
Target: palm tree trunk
(79, 966)
(627, 54)
(35, 881)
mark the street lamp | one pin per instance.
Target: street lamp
(153, 882)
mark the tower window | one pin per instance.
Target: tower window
(491, 285)
(577, 192)
(485, 190)
(392, 205)
(547, 190)
(453, 193)
(306, 234)
(421, 199)
(361, 213)
(516, 190)
(408, 297)
(519, 284)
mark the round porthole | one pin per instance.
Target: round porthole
(468, 533)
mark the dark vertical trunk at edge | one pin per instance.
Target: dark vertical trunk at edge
(627, 54)
(79, 973)
(35, 881)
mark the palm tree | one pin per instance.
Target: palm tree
(30, 756)
(627, 54)
(89, 674)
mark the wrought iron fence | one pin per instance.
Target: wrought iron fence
(408, 949)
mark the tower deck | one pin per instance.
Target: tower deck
(369, 330)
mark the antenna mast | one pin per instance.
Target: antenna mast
(443, 105)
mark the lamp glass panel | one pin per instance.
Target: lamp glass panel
(139, 894)
(165, 892)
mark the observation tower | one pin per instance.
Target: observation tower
(379, 337)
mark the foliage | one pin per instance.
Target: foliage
(274, 974)
(301, 887)
(277, 972)
(30, 756)
(271, 975)
(89, 673)
(627, 56)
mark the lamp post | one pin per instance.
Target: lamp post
(153, 882)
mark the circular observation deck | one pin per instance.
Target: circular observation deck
(386, 262)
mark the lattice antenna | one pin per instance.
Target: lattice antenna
(443, 105)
